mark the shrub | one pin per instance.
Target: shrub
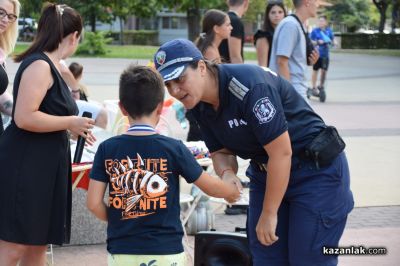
(370, 41)
(94, 43)
(138, 37)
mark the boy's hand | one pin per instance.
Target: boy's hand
(234, 192)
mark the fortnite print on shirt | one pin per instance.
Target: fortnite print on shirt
(137, 187)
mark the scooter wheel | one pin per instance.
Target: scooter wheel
(309, 93)
(322, 96)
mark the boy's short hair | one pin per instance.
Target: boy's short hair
(76, 69)
(297, 3)
(141, 89)
(235, 2)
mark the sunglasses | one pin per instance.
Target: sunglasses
(11, 17)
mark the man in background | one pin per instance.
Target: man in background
(290, 56)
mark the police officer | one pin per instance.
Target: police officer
(299, 202)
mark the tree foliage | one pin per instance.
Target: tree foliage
(193, 10)
(31, 8)
(353, 13)
(92, 11)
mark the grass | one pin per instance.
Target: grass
(384, 52)
(147, 52)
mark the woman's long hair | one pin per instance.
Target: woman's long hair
(55, 23)
(8, 39)
(212, 17)
(267, 22)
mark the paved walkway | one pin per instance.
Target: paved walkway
(363, 103)
(369, 227)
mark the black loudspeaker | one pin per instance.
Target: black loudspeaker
(212, 248)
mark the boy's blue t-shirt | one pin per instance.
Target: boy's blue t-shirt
(142, 173)
(325, 35)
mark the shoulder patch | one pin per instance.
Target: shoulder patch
(264, 110)
(237, 89)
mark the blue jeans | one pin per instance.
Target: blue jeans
(313, 214)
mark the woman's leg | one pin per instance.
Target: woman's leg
(10, 253)
(34, 256)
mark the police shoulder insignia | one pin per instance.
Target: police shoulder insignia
(237, 88)
(264, 110)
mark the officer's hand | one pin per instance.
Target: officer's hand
(231, 177)
(313, 58)
(266, 227)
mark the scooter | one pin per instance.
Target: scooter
(319, 93)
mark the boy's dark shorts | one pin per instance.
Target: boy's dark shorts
(322, 63)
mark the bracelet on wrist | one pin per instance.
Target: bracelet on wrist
(223, 171)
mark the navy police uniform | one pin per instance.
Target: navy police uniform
(256, 106)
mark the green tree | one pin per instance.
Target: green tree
(30, 8)
(353, 13)
(92, 11)
(122, 9)
(193, 10)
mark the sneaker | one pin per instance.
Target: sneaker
(315, 92)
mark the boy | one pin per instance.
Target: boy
(142, 169)
(323, 37)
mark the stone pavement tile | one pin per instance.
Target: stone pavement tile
(372, 237)
(85, 255)
(385, 216)
(369, 227)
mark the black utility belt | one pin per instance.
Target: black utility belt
(324, 148)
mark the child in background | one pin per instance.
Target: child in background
(77, 70)
(72, 75)
(142, 170)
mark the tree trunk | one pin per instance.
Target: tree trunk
(382, 6)
(382, 21)
(193, 18)
(93, 22)
(395, 14)
(121, 31)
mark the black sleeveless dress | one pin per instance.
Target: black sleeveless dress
(3, 87)
(35, 175)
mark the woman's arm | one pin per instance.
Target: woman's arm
(262, 48)
(226, 166)
(283, 67)
(278, 168)
(35, 81)
(95, 199)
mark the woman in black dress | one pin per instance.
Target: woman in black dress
(9, 11)
(35, 176)
(274, 13)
